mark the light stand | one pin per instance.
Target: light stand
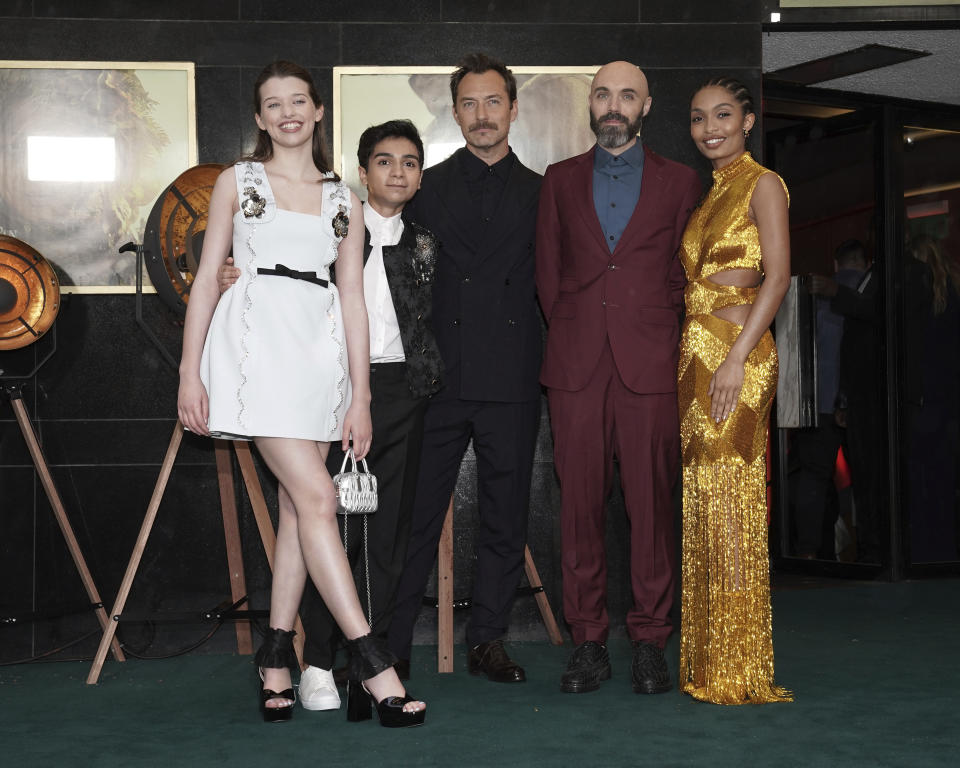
(29, 303)
(13, 391)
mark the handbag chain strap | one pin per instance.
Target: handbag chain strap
(366, 563)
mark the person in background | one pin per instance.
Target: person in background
(860, 398)
(932, 392)
(814, 449)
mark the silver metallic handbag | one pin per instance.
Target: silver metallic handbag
(356, 491)
(357, 495)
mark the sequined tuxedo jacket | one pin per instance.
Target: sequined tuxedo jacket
(632, 297)
(484, 298)
(410, 266)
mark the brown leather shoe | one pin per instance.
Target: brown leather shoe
(491, 659)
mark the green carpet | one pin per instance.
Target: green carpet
(873, 667)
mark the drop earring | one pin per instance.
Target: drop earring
(746, 134)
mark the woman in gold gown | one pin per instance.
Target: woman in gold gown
(736, 253)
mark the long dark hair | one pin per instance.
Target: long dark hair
(943, 270)
(263, 151)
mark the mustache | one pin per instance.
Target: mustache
(483, 124)
(613, 116)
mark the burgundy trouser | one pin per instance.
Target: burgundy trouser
(590, 427)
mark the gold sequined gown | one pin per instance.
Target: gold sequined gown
(726, 649)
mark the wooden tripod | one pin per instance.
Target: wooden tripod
(14, 393)
(445, 595)
(231, 530)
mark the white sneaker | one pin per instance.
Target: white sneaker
(317, 689)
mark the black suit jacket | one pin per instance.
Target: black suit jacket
(484, 298)
(410, 268)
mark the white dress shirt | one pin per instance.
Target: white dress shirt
(385, 343)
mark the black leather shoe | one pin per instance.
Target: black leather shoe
(649, 671)
(491, 659)
(589, 665)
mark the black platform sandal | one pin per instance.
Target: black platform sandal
(276, 653)
(369, 656)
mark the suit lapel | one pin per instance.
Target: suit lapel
(646, 209)
(582, 188)
(395, 256)
(367, 246)
(454, 197)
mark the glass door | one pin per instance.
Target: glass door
(928, 277)
(831, 498)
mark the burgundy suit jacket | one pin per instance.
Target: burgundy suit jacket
(633, 296)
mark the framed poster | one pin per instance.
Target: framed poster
(552, 121)
(85, 150)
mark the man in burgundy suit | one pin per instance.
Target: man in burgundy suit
(611, 288)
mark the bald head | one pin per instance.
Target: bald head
(621, 74)
(619, 100)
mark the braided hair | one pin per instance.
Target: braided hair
(737, 89)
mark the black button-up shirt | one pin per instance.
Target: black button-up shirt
(486, 183)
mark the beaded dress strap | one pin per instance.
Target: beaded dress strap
(257, 203)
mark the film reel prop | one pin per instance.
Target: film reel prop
(174, 235)
(29, 295)
(172, 243)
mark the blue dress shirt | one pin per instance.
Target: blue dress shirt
(616, 189)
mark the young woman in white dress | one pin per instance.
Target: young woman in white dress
(268, 364)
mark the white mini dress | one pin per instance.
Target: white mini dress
(274, 362)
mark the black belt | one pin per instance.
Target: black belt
(281, 271)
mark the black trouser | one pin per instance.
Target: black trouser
(867, 444)
(815, 452)
(394, 459)
(504, 437)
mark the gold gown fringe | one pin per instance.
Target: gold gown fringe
(726, 646)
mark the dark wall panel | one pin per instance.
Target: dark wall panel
(557, 11)
(648, 45)
(105, 405)
(215, 43)
(125, 9)
(730, 12)
(337, 10)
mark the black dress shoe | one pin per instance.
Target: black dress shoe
(649, 671)
(589, 665)
(491, 659)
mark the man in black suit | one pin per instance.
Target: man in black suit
(860, 397)
(399, 262)
(481, 203)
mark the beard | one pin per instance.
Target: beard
(613, 136)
